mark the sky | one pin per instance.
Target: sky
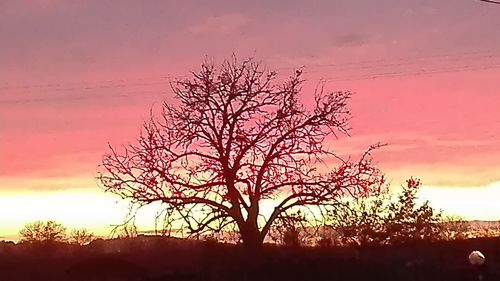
(77, 75)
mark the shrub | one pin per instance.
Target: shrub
(43, 231)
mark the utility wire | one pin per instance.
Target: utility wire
(81, 97)
(490, 1)
(90, 85)
(332, 79)
(164, 80)
(415, 73)
(375, 73)
(407, 60)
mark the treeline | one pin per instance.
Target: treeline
(52, 231)
(382, 219)
(161, 258)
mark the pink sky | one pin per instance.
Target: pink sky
(76, 75)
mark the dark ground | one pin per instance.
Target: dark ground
(154, 258)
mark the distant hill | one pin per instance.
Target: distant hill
(485, 224)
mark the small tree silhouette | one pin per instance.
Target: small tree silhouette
(235, 139)
(389, 219)
(43, 231)
(81, 236)
(289, 229)
(408, 221)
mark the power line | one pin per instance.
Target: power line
(411, 60)
(164, 80)
(82, 97)
(61, 88)
(374, 73)
(408, 63)
(90, 85)
(336, 79)
(416, 73)
(490, 1)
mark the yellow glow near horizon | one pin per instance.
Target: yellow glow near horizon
(470, 203)
(98, 211)
(72, 208)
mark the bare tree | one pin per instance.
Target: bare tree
(40, 231)
(234, 139)
(81, 236)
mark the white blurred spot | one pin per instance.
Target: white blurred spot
(476, 258)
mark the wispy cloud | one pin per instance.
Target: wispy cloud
(349, 40)
(220, 25)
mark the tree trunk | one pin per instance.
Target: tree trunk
(251, 236)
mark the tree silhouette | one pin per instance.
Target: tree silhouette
(40, 231)
(81, 236)
(236, 138)
(409, 221)
(389, 219)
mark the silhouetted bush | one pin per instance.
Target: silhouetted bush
(39, 231)
(81, 236)
(388, 219)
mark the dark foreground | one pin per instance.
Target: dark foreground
(154, 258)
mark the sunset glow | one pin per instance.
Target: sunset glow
(76, 76)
